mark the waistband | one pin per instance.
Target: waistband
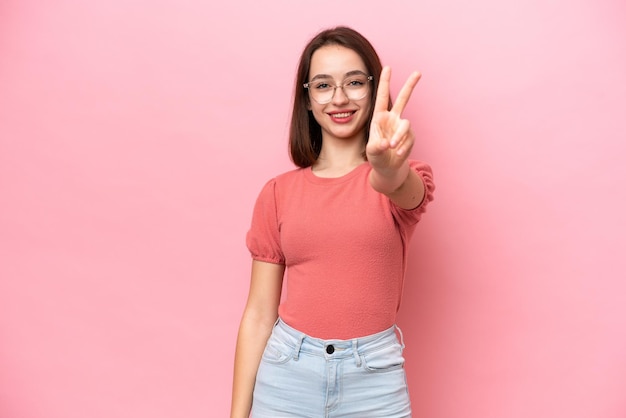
(335, 348)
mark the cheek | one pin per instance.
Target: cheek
(367, 110)
(317, 112)
(368, 106)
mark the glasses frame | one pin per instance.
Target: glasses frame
(335, 87)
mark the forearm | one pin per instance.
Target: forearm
(253, 335)
(403, 185)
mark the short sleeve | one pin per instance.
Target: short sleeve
(263, 238)
(413, 216)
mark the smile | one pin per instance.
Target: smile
(341, 115)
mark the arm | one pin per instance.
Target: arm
(404, 186)
(258, 319)
(389, 145)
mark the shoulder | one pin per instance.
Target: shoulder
(289, 175)
(285, 179)
(280, 182)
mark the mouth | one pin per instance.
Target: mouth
(341, 115)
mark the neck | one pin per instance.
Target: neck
(338, 158)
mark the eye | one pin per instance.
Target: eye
(321, 86)
(357, 82)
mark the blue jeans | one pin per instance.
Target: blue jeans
(300, 376)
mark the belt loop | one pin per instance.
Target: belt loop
(401, 336)
(356, 353)
(296, 353)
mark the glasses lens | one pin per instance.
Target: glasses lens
(321, 91)
(356, 88)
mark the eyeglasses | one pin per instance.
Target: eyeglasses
(355, 88)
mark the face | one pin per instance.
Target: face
(341, 118)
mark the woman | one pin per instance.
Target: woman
(337, 228)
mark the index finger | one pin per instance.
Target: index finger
(405, 92)
(382, 92)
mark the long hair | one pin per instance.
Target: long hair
(305, 134)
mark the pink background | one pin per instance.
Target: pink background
(135, 136)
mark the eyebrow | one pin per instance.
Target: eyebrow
(346, 75)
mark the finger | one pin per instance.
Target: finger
(405, 145)
(378, 147)
(400, 133)
(382, 92)
(405, 93)
(405, 148)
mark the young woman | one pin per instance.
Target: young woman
(337, 228)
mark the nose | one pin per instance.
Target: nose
(339, 96)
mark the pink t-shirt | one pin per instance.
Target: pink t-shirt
(344, 246)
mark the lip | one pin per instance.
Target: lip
(341, 116)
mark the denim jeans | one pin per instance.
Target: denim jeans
(300, 376)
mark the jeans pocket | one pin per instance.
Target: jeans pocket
(386, 359)
(277, 352)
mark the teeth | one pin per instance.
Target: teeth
(342, 115)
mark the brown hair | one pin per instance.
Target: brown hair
(305, 134)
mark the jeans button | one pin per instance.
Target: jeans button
(330, 349)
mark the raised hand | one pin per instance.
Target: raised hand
(391, 137)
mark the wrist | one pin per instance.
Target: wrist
(389, 180)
